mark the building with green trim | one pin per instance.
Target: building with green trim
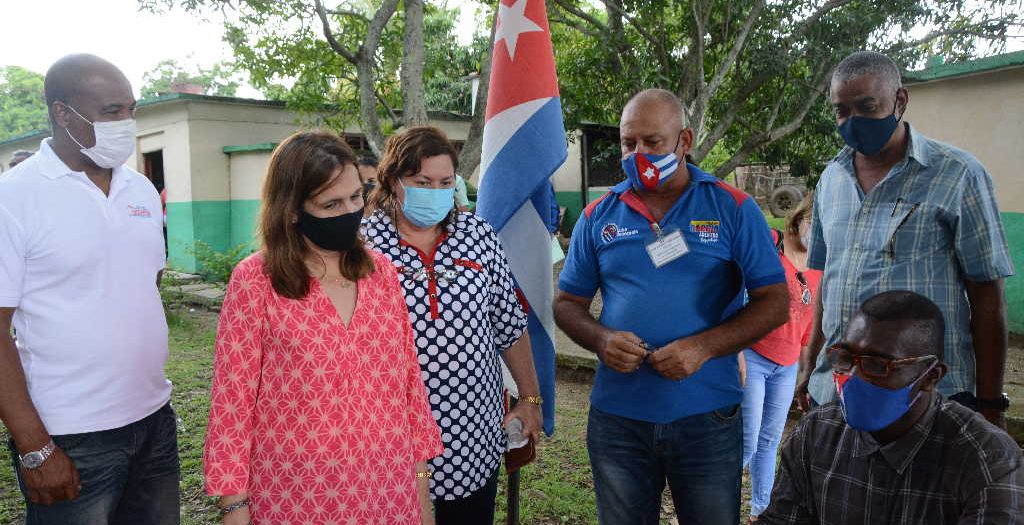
(211, 154)
(978, 106)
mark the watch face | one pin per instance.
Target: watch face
(32, 460)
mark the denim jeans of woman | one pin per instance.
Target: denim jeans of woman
(767, 396)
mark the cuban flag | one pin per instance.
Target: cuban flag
(524, 143)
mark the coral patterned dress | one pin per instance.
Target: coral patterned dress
(318, 421)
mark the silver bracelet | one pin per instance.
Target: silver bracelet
(224, 511)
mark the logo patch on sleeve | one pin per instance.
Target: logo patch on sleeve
(612, 231)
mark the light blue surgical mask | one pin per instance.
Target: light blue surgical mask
(426, 207)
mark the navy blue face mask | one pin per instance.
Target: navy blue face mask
(869, 135)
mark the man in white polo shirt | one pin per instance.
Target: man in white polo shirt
(83, 392)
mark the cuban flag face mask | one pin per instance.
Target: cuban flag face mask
(648, 171)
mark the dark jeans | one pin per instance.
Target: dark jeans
(129, 476)
(475, 509)
(701, 456)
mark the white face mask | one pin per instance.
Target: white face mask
(115, 141)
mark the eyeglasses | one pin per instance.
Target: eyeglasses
(873, 366)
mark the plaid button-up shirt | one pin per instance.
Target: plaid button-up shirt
(952, 467)
(929, 225)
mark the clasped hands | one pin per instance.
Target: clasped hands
(625, 352)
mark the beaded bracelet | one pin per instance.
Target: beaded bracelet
(224, 511)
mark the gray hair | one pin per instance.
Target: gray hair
(863, 63)
(661, 96)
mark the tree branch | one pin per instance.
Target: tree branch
(734, 52)
(658, 44)
(345, 12)
(329, 34)
(760, 139)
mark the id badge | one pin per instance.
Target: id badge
(667, 248)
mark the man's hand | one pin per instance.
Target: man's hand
(679, 359)
(55, 480)
(801, 395)
(622, 352)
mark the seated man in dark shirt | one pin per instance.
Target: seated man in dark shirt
(892, 449)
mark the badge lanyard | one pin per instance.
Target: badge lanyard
(667, 246)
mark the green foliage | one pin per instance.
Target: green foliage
(216, 266)
(220, 79)
(606, 50)
(22, 103)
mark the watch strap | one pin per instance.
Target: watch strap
(1000, 403)
(44, 452)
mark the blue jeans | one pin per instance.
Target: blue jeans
(767, 397)
(700, 456)
(129, 476)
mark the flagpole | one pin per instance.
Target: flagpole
(512, 500)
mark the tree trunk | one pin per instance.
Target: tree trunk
(469, 157)
(369, 121)
(414, 106)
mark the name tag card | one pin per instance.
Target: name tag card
(667, 248)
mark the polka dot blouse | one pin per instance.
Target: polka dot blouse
(464, 310)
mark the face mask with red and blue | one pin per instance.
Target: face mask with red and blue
(647, 172)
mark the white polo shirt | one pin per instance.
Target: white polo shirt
(80, 268)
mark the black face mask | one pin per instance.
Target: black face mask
(331, 233)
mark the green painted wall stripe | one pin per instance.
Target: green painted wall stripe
(244, 217)
(265, 146)
(1013, 225)
(189, 222)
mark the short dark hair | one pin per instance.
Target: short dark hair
(862, 63)
(367, 160)
(403, 157)
(904, 305)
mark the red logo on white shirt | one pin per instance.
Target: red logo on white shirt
(139, 211)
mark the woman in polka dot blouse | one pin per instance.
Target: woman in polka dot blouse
(465, 314)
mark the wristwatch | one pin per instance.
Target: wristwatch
(1001, 403)
(34, 460)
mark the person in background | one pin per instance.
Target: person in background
(18, 157)
(466, 315)
(368, 174)
(317, 411)
(83, 392)
(771, 363)
(893, 449)
(461, 194)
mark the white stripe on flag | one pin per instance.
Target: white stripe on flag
(500, 128)
(527, 236)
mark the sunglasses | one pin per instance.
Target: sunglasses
(873, 366)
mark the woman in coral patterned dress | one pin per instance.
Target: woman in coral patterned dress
(318, 413)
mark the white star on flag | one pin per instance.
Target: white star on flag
(649, 173)
(512, 22)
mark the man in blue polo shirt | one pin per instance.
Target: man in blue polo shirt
(672, 250)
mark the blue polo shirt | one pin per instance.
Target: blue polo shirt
(730, 250)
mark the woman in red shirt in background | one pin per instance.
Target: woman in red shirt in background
(771, 363)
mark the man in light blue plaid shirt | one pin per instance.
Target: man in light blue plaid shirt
(895, 210)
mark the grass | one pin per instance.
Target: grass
(556, 489)
(779, 223)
